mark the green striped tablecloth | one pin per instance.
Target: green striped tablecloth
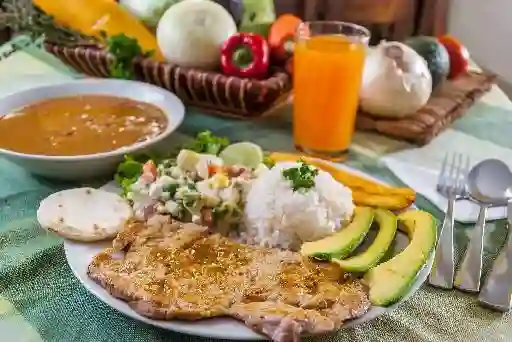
(41, 300)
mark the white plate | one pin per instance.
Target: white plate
(79, 256)
(99, 164)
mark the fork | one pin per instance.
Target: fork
(451, 183)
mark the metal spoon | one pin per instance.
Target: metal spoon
(494, 185)
(468, 276)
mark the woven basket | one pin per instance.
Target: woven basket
(209, 91)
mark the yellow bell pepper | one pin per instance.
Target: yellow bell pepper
(91, 17)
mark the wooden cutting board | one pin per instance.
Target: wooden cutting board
(449, 102)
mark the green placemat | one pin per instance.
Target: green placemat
(35, 278)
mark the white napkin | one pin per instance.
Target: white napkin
(419, 169)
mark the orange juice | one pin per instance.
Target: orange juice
(327, 78)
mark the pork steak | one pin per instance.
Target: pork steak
(170, 270)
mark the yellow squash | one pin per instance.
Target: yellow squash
(91, 17)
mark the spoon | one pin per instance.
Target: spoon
(490, 183)
(469, 274)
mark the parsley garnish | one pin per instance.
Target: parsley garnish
(206, 142)
(125, 50)
(302, 177)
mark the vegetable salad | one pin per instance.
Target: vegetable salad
(198, 186)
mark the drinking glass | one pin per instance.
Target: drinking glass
(328, 68)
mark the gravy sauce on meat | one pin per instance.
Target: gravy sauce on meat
(80, 125)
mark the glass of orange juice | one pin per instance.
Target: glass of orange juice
(328, 68)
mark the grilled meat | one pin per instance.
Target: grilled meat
(169, 270)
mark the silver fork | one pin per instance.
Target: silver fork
(451, 183)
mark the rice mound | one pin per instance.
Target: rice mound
(277, 216)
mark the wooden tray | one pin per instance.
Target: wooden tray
(448, 103)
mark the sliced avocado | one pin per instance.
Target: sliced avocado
(390, 281)
(371, 257)
(341, 243)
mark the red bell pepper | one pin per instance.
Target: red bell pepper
(232, 56)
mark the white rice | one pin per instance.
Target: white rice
(277, 216)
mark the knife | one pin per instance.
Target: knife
(497, 289)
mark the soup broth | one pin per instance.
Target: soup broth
(80, 125)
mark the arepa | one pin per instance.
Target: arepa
(84, 214)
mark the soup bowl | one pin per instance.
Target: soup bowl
(80, 167)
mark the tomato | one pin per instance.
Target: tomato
(149, 170)
(459, 55)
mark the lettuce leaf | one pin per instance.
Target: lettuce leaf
(208, 143)
(128, 172)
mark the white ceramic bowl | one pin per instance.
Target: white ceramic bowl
(99, 164)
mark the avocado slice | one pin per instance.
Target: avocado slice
(341, 243)
(370, 258)
(390, 281)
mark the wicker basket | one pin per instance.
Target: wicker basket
(209, 91)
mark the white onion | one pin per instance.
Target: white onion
(396, 81)
(148, 11)
(191, 33)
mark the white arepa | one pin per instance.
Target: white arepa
(84, 214)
